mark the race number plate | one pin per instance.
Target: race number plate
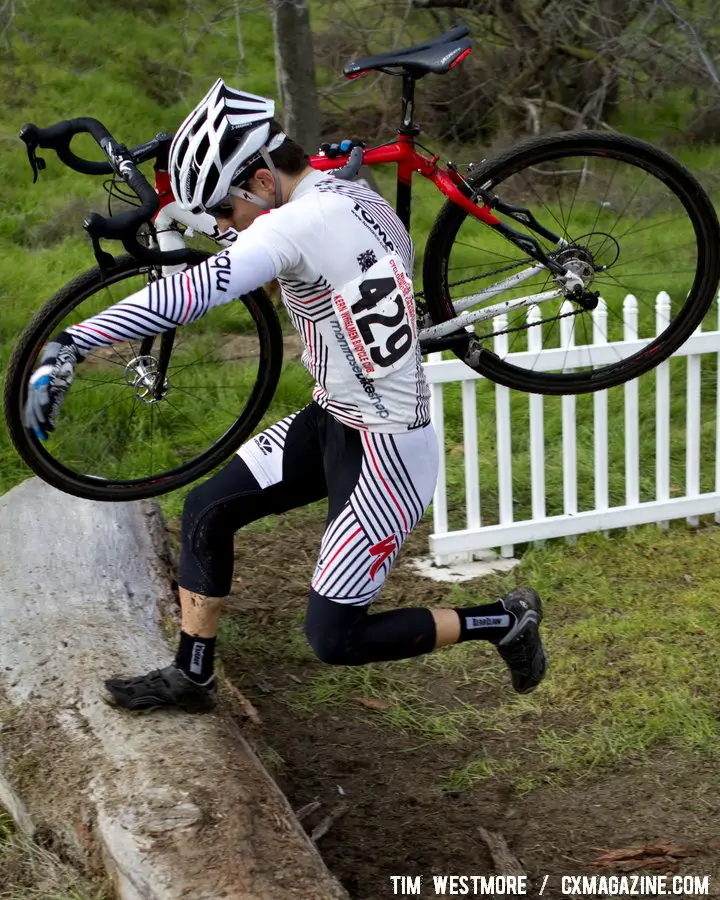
(377, 315)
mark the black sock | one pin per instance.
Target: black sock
(490, 622)
(196, 657)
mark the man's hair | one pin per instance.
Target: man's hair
(289, 157)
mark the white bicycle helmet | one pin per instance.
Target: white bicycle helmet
(221, 138)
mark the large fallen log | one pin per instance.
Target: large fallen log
(172, 805)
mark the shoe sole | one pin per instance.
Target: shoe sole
(110, 700)
(534, 687)
(531, 617)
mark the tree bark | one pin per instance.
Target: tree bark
(171, 805)
(295, 71)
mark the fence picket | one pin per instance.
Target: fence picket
(632, 439)
(662, 408)
(600, 416)
(504, 438)
(472, 467)
(539, 526)
(692, 444)
(537, 425)
(569, 437)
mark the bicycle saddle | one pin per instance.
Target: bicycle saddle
(438, 55)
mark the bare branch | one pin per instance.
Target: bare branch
(695, 41)
(238, 33)
(8, 12)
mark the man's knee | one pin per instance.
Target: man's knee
(202, 522)
(331, 648)
(332, 630)
(196, 502)
(228, 500)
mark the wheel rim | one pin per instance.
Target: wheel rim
(113, 434)
(629, 234)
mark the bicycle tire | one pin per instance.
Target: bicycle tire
(676, 177)
(55, 473)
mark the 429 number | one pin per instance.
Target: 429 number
(398, 342)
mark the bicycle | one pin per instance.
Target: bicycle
(167, 396)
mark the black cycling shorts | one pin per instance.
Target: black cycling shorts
(378, 486)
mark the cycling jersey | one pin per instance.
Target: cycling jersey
(344, 263)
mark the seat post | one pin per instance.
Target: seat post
(407, 126)
(407, 129)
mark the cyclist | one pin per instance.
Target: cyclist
(344, 263)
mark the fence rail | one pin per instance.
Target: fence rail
(451, 545)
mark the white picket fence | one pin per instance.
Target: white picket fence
(459, 545)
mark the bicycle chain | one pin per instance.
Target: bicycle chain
(488, 274)
(509, 330)
(573, 312)
(421, 294)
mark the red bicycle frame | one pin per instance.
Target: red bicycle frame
(408, 160)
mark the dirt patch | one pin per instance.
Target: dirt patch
(237, 346)
(241, 346)
(402, 818)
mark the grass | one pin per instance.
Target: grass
(42, 247)
(30, 872)
(631, 625)
(631, 638)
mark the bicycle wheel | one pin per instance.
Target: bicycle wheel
(623, 216)
(113, 441)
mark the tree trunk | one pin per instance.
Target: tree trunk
(171, 805)
(295, 71)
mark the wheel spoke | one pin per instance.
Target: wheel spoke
(107, 449)
(635, 226)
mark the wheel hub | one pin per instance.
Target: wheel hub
(143, 375)
(577, 261)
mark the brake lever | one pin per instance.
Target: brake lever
(104, 259)
(37, 163)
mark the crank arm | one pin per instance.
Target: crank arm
(448, 342)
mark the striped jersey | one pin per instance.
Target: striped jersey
(344, 263)
(329, 241)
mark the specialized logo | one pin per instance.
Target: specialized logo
(126, 168)
(229, 236)
(449, 56)
(383, 550)
(265, 444)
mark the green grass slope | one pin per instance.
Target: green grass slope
(138, 67)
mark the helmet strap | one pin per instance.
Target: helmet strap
(276, 175)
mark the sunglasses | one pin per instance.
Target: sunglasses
(224, 209)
